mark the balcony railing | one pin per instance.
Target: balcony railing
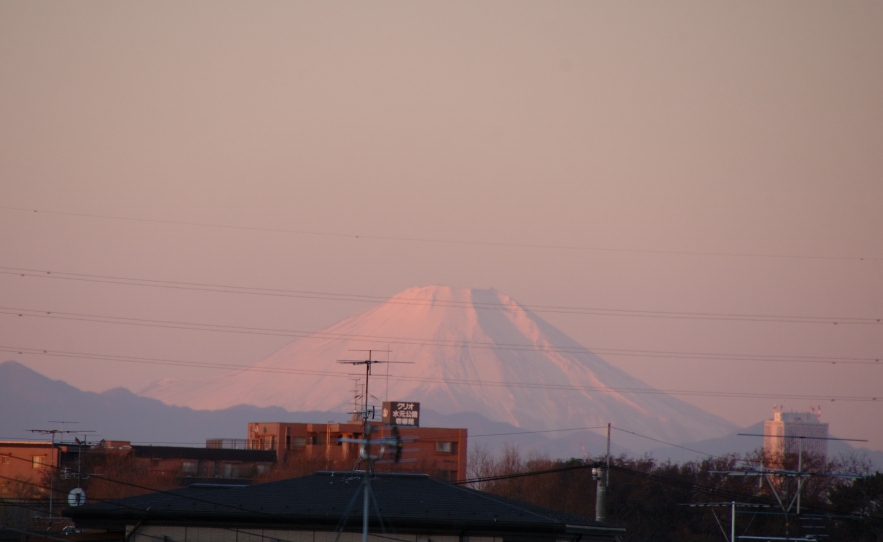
(229, 443)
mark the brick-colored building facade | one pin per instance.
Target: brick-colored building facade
(439, 452)
(29, 462)
(26, 461)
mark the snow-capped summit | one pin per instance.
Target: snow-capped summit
(471, 350)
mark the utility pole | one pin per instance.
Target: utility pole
(600, 475)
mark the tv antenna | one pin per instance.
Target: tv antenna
(53, 432)
(800, 474)
(370, 450)
(366, 412)
(61, 431)
(792, 505)
(357, 394)
(732, 505)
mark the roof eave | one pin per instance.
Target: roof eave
(118, 519)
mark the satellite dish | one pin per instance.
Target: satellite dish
(77, 497)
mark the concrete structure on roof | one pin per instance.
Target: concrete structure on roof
(793, 432)
(319, 508)
(439, 452)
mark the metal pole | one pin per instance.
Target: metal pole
(365, 507)
(606, 472)
(608, 449)
(600, 496)
(733, 521)
(55, 463)
(601, 486)
(367, 375)
(799, 470)
(80, 462)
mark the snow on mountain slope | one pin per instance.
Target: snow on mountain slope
(472, 351)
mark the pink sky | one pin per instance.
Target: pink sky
(725, 158)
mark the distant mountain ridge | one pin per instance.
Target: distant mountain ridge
(28, 400)
(472, 351)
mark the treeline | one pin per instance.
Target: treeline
(647, 497)
(651, 499)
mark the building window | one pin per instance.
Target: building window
(445, 447)
(189, 466)
(298, 442)
(38, 461)
(4, 460)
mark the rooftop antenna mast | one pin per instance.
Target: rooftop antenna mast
(357, 394)
(800, 474)
(384, 445)
(386, 395)
(53, 432)
(366, 443)
(782, 498)
(366, 412)
(732, 505)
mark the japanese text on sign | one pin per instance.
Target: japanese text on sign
(401, 413)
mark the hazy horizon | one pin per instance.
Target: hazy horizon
(693, 188)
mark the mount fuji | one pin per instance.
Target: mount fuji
(469, 350)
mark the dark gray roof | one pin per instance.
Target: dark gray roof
(407, 503)
(205, 454)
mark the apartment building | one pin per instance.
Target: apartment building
(439, 452)
(793, 432)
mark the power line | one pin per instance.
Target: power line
(682, 484)
(195, 326)
(711, 456)
(438, 240)
(536, 432)
(470, 382)
(172, 493)
(330, 296)
(730, 494)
